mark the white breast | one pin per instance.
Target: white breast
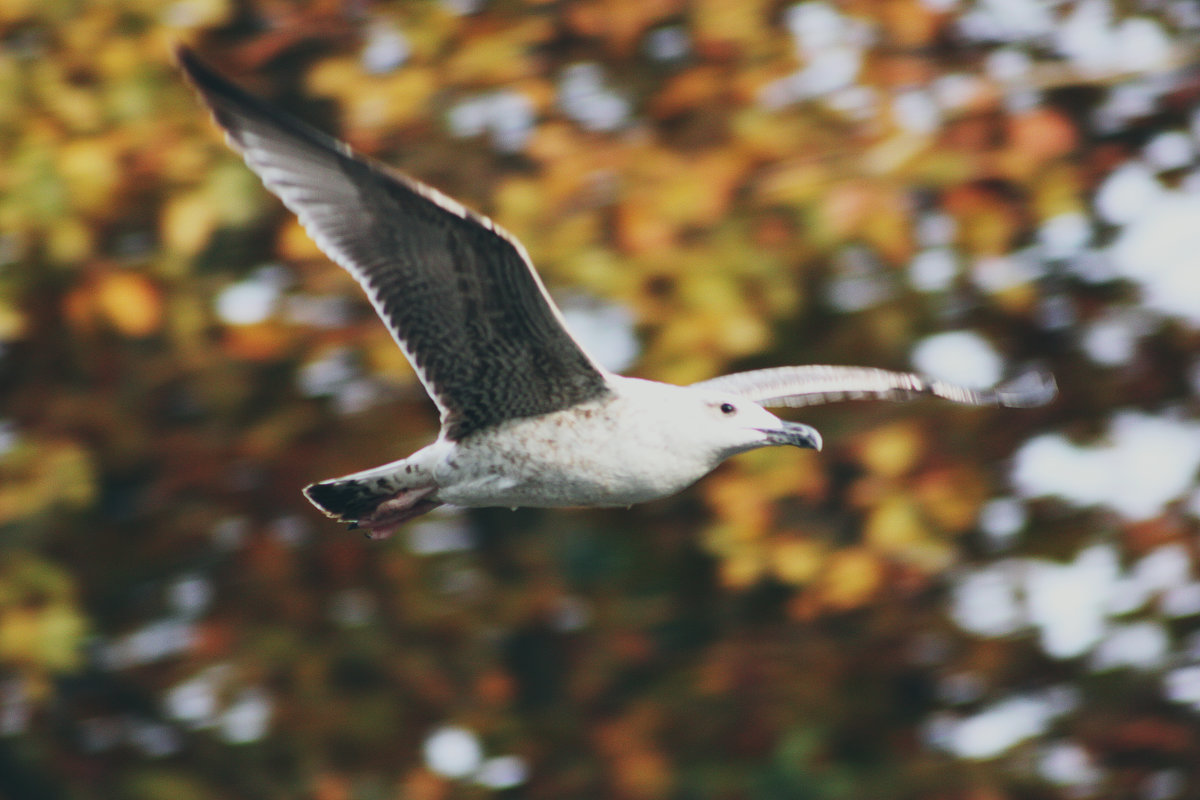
(612, 452)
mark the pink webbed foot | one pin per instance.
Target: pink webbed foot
(389, 515)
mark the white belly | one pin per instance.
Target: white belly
(587, 456)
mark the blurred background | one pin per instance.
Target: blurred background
(948, 603)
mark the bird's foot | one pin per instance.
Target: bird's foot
(389, 515)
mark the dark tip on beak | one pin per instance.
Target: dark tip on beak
(796, 435)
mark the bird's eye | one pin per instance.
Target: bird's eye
(728, 408)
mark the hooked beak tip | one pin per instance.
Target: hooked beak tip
(796, 435)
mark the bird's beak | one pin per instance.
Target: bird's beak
(795, 434)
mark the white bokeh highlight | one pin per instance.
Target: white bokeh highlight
(502, 772)
(453, 751)
(1157, 251)
(962, 357)
(1002, 725)
(605, 330)
(1142, 464)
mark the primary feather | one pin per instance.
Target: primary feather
(816, 384)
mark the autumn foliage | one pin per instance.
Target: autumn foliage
(177, 359)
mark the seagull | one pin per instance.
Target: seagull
(528, 418)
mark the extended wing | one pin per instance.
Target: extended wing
(813, 385)
(457, 292)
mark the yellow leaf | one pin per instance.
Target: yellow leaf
(641, 228)
(188, 318)
(910, 24)
(387, 359)
(1019, 299)
(16, 10)
(845, 209)
(717, 294)
(931, 556)
(12, 90)
(783, 472)
(720, 25)
(851, 577)
(895, 152)
(797, 184)
(952, 497)
(18, 635)
(185, 161)
(742, 568)
(894, 526)
(367, 108)
(294, 243)
(430, 28)
(680, 369)
(187, 222)
(1059, 190)
(888, 229)
(742, 334)
(520, 204)
(599, 269)
(68, 470)
(119, 58)
(797, 561)
(234, 193)
(737, 500)
(719, 539)
(69, 241)
(130, 303)
(334, 77)
(408, 93)
(498, 57)
(60, 635)
(892, 450)
(12, 323)
(694, 88)
(80, 108)
(261, 341)
(990, 231)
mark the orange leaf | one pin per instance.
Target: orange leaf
(130, 303)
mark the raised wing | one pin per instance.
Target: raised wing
(813, 385)
(458, 293)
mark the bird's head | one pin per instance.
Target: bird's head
(736, 425)
(704, 426)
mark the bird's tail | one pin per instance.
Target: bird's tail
(376, 499)
(347, 500)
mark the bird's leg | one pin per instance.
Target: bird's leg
(391, 513)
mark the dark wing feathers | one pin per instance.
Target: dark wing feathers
(458, 293)
(813, 385)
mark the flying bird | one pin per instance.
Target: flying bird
(528, 418)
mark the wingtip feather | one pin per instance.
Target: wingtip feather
(183, 53)
(198, 73)
(1031, 389)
